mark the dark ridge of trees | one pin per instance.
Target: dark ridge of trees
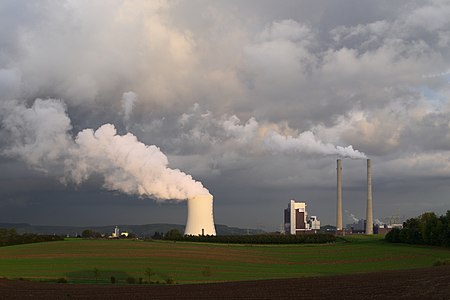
(90, 234)
(256, 239)
(173, 235)
(9, 237)
(427, 229)
(157, 236)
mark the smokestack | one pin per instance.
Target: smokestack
(339, 196)
(200, 219)
(369, 216)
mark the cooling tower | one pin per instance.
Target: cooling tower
(200, 219)
(339, 196)
(369, 213)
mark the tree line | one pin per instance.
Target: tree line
(253, 239)
(9, 237)
(92, 234)
(427, 229)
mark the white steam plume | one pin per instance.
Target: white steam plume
(128, 166)
(306, 142)
(378, 222)
(128, 101)
(40, 137)
(355, 219)
(253, 136)
(352, 216)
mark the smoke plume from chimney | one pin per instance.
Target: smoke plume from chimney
(40, 136)
(306, 142)
(256, 137)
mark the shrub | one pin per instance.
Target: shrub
(170, 280)
(206, 272)
(113, 279)
(61, 280)
(88, 233)
(130, 280)
(149, 273)
(157, 236)
(393, 236)
(96, 274)
(442, 262)
(173, 235)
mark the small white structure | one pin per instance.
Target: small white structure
(200, 220)
(314, 223)
(116, 232)
(399, 226)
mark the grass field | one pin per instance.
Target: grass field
(76, 259)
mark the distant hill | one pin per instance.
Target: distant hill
(146, 230)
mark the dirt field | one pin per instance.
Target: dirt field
(430, 283)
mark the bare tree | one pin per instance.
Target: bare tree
(96, 274)
(149, 273)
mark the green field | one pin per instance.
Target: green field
(75, 260)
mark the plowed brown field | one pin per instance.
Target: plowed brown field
(430, 283)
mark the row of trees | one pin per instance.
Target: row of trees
(91, 234)
(10, 237)
(427, 229)
(148, 272)
(253, 239)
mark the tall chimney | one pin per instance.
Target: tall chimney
(369, 215)
(339, 196)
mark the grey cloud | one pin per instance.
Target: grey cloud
(351, 72)
(9, 83)
(39, 134)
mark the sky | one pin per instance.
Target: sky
(115, 112)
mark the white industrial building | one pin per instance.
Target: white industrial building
(116, 233)
(314, 223)
(296, 219)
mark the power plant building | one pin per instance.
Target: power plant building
(296, 219)
(357, 227)
(314, 223)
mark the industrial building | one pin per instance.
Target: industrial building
(296, 219)
(357, 227)
(314, 223)
(360, 227)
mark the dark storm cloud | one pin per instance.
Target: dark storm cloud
(213, 79)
